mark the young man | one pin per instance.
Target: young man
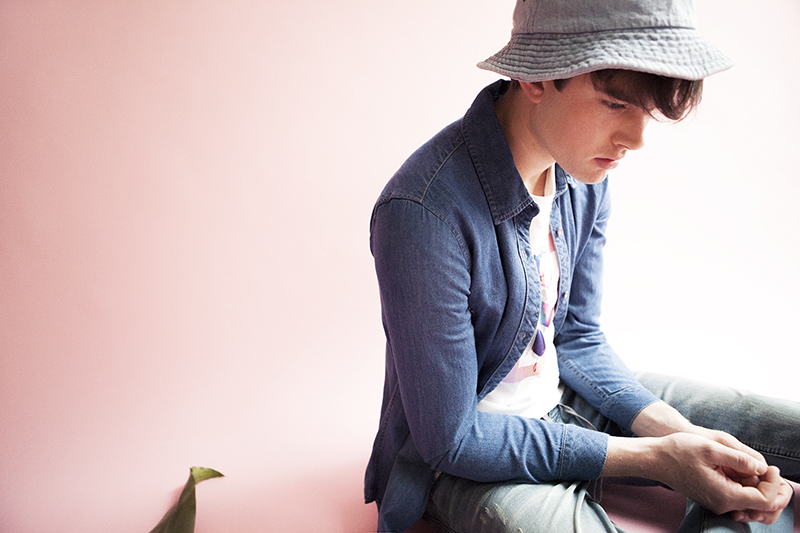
(503, 403)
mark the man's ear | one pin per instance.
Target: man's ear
(533, 90)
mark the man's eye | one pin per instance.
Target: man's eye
(613, 105)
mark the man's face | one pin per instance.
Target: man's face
(586, 131)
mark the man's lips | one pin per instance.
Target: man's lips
(606, 164)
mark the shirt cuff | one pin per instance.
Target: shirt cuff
(583, 455)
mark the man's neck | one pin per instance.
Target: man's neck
(532, 161)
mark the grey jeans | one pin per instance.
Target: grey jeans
(768, 425)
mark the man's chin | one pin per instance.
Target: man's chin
(589, 178)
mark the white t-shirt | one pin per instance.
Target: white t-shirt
(531, 388)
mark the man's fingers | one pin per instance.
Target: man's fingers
(777, 495)
(732, 442)
(775, 489)
(728, 440)
(723, 478)
(755, 489)
(744, 464)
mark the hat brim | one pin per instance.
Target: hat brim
(674, 52)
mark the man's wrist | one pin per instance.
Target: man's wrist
(632, 457)
(659, 420)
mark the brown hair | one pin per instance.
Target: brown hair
(672, 98)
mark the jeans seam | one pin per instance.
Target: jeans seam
(772, 451)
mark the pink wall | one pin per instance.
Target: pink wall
(185, 190)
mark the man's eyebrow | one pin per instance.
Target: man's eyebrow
(617, 94)
(625, 96)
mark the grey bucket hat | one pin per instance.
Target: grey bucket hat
(555, 39)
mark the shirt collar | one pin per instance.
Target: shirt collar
(491, 156)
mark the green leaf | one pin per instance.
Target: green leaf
(180, 517)
(201, 474)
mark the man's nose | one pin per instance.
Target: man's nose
(631, 134)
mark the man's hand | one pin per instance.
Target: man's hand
(722, 478)
(710, 467)
(774, 488)
(771, 484)
(726, 440)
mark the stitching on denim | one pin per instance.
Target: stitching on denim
(382, 432)
(453, 231)
(435, 174)
(580, 375)
(562, 452)
(771, 451)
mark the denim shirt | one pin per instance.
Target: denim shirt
(460, 299)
